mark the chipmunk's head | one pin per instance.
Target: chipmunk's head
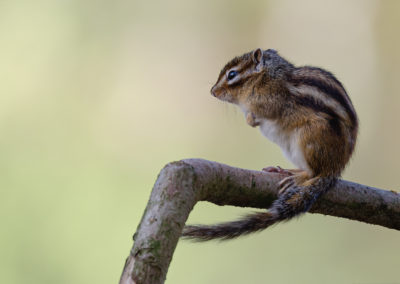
(239, 76)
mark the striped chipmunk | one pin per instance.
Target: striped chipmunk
(307, 112)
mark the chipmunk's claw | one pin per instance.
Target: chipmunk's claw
(277, 170)
(286, 183)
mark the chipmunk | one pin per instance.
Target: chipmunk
(307, 112)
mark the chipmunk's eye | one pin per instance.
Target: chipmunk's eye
(232, 74)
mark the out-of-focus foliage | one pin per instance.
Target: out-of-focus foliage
(97, 96)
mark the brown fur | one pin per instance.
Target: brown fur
(308, 101)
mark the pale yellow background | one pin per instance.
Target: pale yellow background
(97, 96)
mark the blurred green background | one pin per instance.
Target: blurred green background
(97, 96)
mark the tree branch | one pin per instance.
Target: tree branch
(180, 185)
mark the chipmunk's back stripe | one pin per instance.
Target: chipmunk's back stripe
(317, 106)
(334, 92)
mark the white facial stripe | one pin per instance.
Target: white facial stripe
(239, 76)
(234, 80)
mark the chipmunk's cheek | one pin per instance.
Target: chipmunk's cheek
(223, 96)
(228, 98)
(218, 93)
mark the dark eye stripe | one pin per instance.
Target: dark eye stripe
(237, 83)
(246, 66)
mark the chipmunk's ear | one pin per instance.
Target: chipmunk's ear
(257, 58)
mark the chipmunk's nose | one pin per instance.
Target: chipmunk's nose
(213, 91)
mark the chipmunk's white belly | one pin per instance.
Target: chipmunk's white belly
(289, 142)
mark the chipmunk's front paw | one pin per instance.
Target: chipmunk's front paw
(252, 120)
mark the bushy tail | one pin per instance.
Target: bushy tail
(293, 202)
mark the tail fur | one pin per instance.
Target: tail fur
(293, 202)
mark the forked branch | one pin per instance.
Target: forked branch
(180, 185)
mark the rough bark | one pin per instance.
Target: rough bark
(180, 185)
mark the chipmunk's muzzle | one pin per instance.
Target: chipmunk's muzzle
(213, 89)
(221, 94)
